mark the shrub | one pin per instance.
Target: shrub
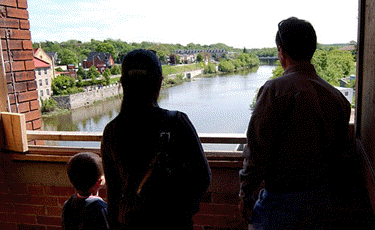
(48, 105)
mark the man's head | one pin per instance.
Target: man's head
(141, 76)
(297, 38)
(85, 170)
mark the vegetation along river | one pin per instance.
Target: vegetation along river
(216, 104)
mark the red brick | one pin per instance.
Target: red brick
(59, 191)
(28, 96)
(30, 209)
(24, 107)
(17, 188)
(8, 226)
(225, 198)
(25, 24)
(27, 45)
(16, 66)
(2, 32)
(17, 13)
(36, 190)
(31, 227)
(10, 23)
(217, 209)
(37, 124)
(47, 220)
(4, 188)
(22, 219)
(54, 228)
(14, 199)
(32, 115)
(24, 76)
(34, 105)
(13, 44)
(20, 34)
(20, 87)
(39, 200)
(62, 200)
(29, 126)
(6, 208)
(11, 99)
(22, 55)
(209, 220)
(29, 65)
(22, 4)
(54, 211)
(31, 85)
(8, 3)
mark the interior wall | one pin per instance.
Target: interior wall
(365, 93)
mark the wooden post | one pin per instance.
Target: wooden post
(14, 132)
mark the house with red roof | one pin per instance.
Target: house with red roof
(50, 57)
(43, 77)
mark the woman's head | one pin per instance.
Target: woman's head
(141, 77)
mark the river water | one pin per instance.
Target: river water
(217, 104)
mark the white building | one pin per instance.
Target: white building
(43, 76)
(347, 92)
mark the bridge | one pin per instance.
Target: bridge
(268, 60)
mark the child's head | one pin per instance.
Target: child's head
(85, 170)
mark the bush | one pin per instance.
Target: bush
(226, 66)
(210, 68)
(48, 105)
(115, 70)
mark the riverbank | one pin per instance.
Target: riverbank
(96, 94)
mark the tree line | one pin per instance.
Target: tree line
(331, 64)
(75, 51)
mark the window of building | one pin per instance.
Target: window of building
(47, 81)
(40, 82)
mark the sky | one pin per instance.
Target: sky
(245, 23)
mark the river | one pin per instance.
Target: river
(217, 104)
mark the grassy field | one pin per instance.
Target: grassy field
(167, 69)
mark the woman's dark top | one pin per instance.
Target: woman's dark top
(178, 181)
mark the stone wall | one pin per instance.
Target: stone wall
(91, 95)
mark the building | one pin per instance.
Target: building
(49, 57)
(347, 92)
(100, 60)
(189, 56)
(43, 78)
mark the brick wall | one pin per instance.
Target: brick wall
(32, 195)
(18, 59)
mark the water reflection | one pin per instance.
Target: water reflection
(217, 104)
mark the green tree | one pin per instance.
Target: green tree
(68, 57)
(61, 84)
(199, 57)
(81, 72)
(226, 66)
(209, 68)
(333, 65)
(106, 48)
(48, 105)
(93, 73)
(115, 70)
(278, 71)
(106, 74)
